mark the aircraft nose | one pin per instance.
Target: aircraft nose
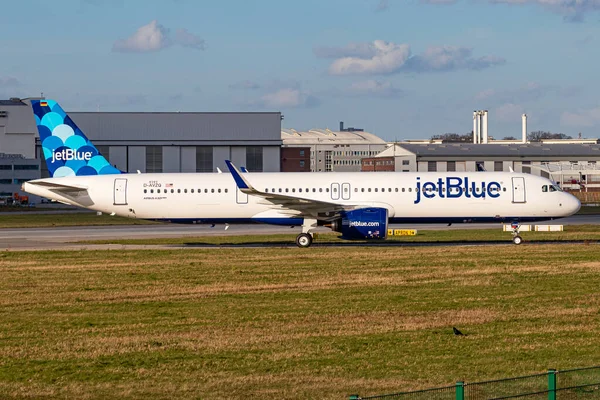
(570, 204)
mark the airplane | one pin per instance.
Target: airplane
(359, 205)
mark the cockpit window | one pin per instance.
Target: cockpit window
(554, 188)
(545, 188)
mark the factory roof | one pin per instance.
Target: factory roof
(320, 136)
(521, 150)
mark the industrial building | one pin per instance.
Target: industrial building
(578, 162)
(146, 141)
(339, 151)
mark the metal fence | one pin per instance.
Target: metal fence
(571, 384)
(442, 393)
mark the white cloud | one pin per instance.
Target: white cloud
(571, 10)
(374, 88)
(287, 98)
(151, 37)
(448, 58)
(187, 39)
(380, 57)
(155, 37)
(581, 118)
(382, 5)
(387, 57)
(362, 50)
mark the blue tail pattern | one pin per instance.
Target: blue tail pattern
(68, 152)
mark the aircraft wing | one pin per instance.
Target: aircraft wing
(297, 205)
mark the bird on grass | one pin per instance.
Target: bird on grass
(457, 332)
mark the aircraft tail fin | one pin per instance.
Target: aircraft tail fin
(68, 152)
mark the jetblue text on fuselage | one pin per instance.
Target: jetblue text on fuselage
(454, 187)
(70, 154)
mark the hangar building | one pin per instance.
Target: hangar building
(146, 141)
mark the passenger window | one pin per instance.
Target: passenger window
(212, 190)
(369, 190)
(165, 190)
(225, 190)
(192, 191)
(219, 190)
(320, 190)
(410, 189)
(172, 190)
(293, 190)
(355, 190)
(145, 190)
(376, 189)
(396, 190)
(504, 189)
(267, 190)
(362, 190)
(279, 190)
(327, 190)
(300, 190)
(151, 190)
(184, 190)
(545, 188)
(314, 190)
(402, 190)
(287, 190)
(205, 190)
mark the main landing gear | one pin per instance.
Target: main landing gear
(515, 225)
(305, 238)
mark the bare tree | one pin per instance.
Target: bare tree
(537, 136)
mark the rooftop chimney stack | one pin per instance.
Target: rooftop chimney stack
(341, 126)
(524, 138)
(485, 126)
(475, 127)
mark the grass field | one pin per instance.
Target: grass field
(290, 323)
(31, 220)
(572, 232)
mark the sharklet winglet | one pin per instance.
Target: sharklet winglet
(240, 181)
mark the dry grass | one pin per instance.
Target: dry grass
(290, 323)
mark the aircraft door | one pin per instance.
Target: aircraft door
(345, 191)
(120, 194)
(240, 197)
(518, 190)
(335, 191)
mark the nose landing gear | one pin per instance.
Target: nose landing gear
(515, 225)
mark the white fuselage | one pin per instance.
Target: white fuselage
(214, 197)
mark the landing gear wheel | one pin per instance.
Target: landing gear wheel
(304, 240)
(517, 239)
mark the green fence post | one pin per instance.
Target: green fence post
(551, 384)
(354, 397)
(460, 391)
